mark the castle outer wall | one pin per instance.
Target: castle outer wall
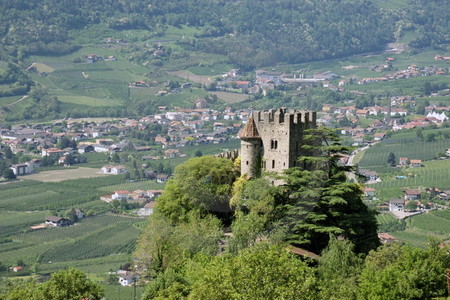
(281, 136)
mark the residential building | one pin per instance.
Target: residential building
(396, 205)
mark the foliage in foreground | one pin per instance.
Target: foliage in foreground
(271, 272)
(68, 284)
(201, 184)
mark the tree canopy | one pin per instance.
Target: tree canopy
(202, 184)
(70, 284)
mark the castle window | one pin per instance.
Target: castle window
(246, 162)
(273, 144)
(273, 164)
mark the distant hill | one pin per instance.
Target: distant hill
(251, 33)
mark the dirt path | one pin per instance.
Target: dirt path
(15, 102)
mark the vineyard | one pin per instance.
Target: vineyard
(433, 174)
(93, 237)
(432, 222)
(132, 186)
(403, 145)
(15, 222)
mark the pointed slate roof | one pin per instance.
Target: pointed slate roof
(249, 131)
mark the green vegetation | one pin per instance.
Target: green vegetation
(93, 237)
(432, 222)
(63, 285)
(406, 144)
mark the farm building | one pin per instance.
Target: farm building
(120, 195)
(415, 163)
(108, 169)
(126, 278)
(386, 238)
(162, 178)
(412, 194)
(57, 221)
(396, 205)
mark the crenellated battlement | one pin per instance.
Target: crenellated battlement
(283, 115)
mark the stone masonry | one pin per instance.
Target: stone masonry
(271, 140)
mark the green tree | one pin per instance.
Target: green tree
(163, 245)
(9, 174)
(255, 212)
(68, 284)
(411, 205)
(320, 202)
(72, 215)
(256, 273)
(202, 184)
(391, 159)
(8, 153)
(402, 272)
(115, 158)
(338, 270)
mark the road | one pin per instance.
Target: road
(351, 175)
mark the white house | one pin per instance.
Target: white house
(396, 205)
(162, 178)
(127, 278)
(22, 169)
(120, 195)
(118, 170)
(108, 169)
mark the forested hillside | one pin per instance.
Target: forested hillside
(251, 33)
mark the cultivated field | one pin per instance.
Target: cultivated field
(404, 144)
(90, 238)
(60, 175)
(192, 77)
(230, 97)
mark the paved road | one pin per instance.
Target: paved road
(351, 175)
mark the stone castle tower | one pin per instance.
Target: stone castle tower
(271, 140)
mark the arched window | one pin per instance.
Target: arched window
(273, 164)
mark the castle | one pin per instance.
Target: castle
(271, 140)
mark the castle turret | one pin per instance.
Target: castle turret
(250, 149)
